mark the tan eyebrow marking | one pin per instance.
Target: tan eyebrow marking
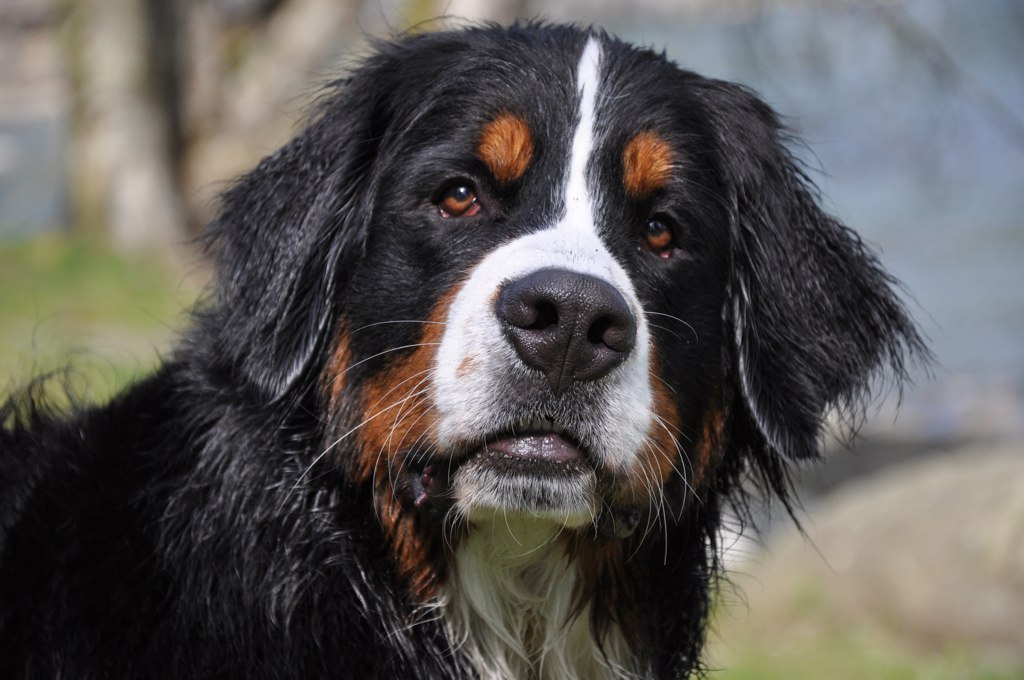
(506, 146)
(646, 164)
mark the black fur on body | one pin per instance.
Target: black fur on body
(194, 527)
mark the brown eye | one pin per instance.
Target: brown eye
(459, 201)
(657, 238)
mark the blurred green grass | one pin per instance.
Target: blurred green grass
(77, 303)
(754, 648)
(74, 301)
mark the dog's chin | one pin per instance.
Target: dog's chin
(543, 476)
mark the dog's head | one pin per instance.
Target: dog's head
(538, 272)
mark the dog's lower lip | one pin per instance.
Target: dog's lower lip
(547, 446)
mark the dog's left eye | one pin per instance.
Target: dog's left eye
(458, 201)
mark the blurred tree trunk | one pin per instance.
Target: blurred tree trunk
(126, 168)
(175, 97)
(250, 72)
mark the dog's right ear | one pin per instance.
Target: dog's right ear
(287, 235)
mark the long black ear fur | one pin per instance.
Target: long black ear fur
(286, 235)
(814, 317)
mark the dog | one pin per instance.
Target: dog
(492, 346)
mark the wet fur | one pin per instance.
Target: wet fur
(193, 528)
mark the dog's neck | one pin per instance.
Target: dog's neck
(510, 606)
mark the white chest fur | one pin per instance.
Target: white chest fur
(509, 607)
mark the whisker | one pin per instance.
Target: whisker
(381, 323)
(665, 383)
(376, 463)
(399, 419)
(682, 457)
(660, 502)
(696, 337)
(667, 424)
(342, 438)
(666, 329)
(380, 354)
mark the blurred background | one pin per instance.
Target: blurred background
(122, 120)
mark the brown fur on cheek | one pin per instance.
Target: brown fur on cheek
(506, 147)
(334, 376)
(668, 452)
(661, 454)
(712, 442)
(646, 164)
(396, 407)
(397, 416)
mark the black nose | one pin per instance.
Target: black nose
(570, 326)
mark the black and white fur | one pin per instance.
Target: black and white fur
(213, 519)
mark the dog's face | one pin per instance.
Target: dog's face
(538, 273)
(545, 226)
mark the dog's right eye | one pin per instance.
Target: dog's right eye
(458, 201)
(657, 238)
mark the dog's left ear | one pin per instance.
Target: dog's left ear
(814, 318)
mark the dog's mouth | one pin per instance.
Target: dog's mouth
(535, 466)
(540, 442)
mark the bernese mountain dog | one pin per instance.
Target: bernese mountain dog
(493, 346)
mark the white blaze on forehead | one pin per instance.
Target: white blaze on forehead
(476, 361)
(578, 210)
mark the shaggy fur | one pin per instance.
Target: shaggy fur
(363, 461)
